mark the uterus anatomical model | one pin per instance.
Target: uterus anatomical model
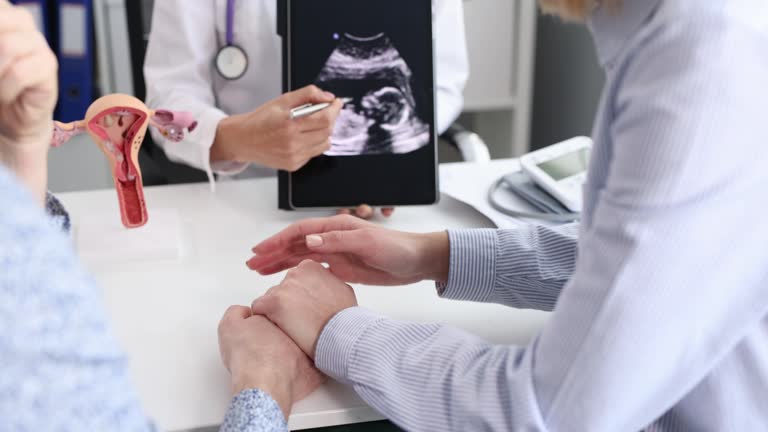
(118, 124)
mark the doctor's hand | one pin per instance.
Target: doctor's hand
(356, 252)
(269, 137)
(304, 302)
(366, 212)
(260, 356)
(28, 92)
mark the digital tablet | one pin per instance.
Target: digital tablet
(377, 56)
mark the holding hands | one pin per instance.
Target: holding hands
(276, 360)
(286, 323)
(304, 302)
(260, 356)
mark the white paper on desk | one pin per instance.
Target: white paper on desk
(470, 183)
(102, 239)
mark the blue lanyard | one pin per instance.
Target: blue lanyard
(231, 61)
(230, 22)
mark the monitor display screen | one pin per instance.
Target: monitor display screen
(567, 165)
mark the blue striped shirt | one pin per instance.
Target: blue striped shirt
(659, 295)
(61, 368)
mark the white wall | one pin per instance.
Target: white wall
(568, 82)
(78, 165)
(501, 42)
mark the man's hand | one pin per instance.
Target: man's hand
(28, 92)
(268, 136)
(304, 302)
(356, 251)
(260, 356)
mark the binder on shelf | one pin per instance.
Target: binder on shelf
(75, 51)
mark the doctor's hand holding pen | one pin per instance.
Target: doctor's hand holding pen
(270, 136)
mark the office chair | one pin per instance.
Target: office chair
(159, 170)
(469, 145)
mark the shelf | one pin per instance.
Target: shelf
(500, 104)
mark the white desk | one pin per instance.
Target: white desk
(165, 313)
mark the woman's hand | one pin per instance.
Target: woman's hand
(269, 137)
(356, 252)
(28, 92)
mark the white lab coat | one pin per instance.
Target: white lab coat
(186, 35)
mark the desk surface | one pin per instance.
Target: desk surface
(165, 311)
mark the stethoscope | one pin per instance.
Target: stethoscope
(231, 60)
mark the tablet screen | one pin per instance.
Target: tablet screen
(377, 56)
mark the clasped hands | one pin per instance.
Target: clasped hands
(271, 345)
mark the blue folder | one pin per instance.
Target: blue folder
(74, 47)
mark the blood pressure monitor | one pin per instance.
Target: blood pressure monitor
(561, 170)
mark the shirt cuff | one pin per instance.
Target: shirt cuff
(472, 266)
(253, 410)
(218, 167)
(228, 167)
(336, 346)
(195, 149)
(207, 137)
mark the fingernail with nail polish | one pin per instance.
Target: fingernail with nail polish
(314, 241)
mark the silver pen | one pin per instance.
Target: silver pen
(308, 109)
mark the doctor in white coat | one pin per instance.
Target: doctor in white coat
(245, 122)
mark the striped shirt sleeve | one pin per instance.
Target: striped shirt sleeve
(429, 377)
(524, 268)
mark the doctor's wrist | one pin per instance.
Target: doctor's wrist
(227, 134)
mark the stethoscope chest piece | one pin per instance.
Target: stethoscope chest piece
(231, 62)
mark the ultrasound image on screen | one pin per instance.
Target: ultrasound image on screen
(379, 114)
(377, 56)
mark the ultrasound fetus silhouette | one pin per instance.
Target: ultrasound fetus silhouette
(379, 114)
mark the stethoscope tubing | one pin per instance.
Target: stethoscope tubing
(230, 22)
